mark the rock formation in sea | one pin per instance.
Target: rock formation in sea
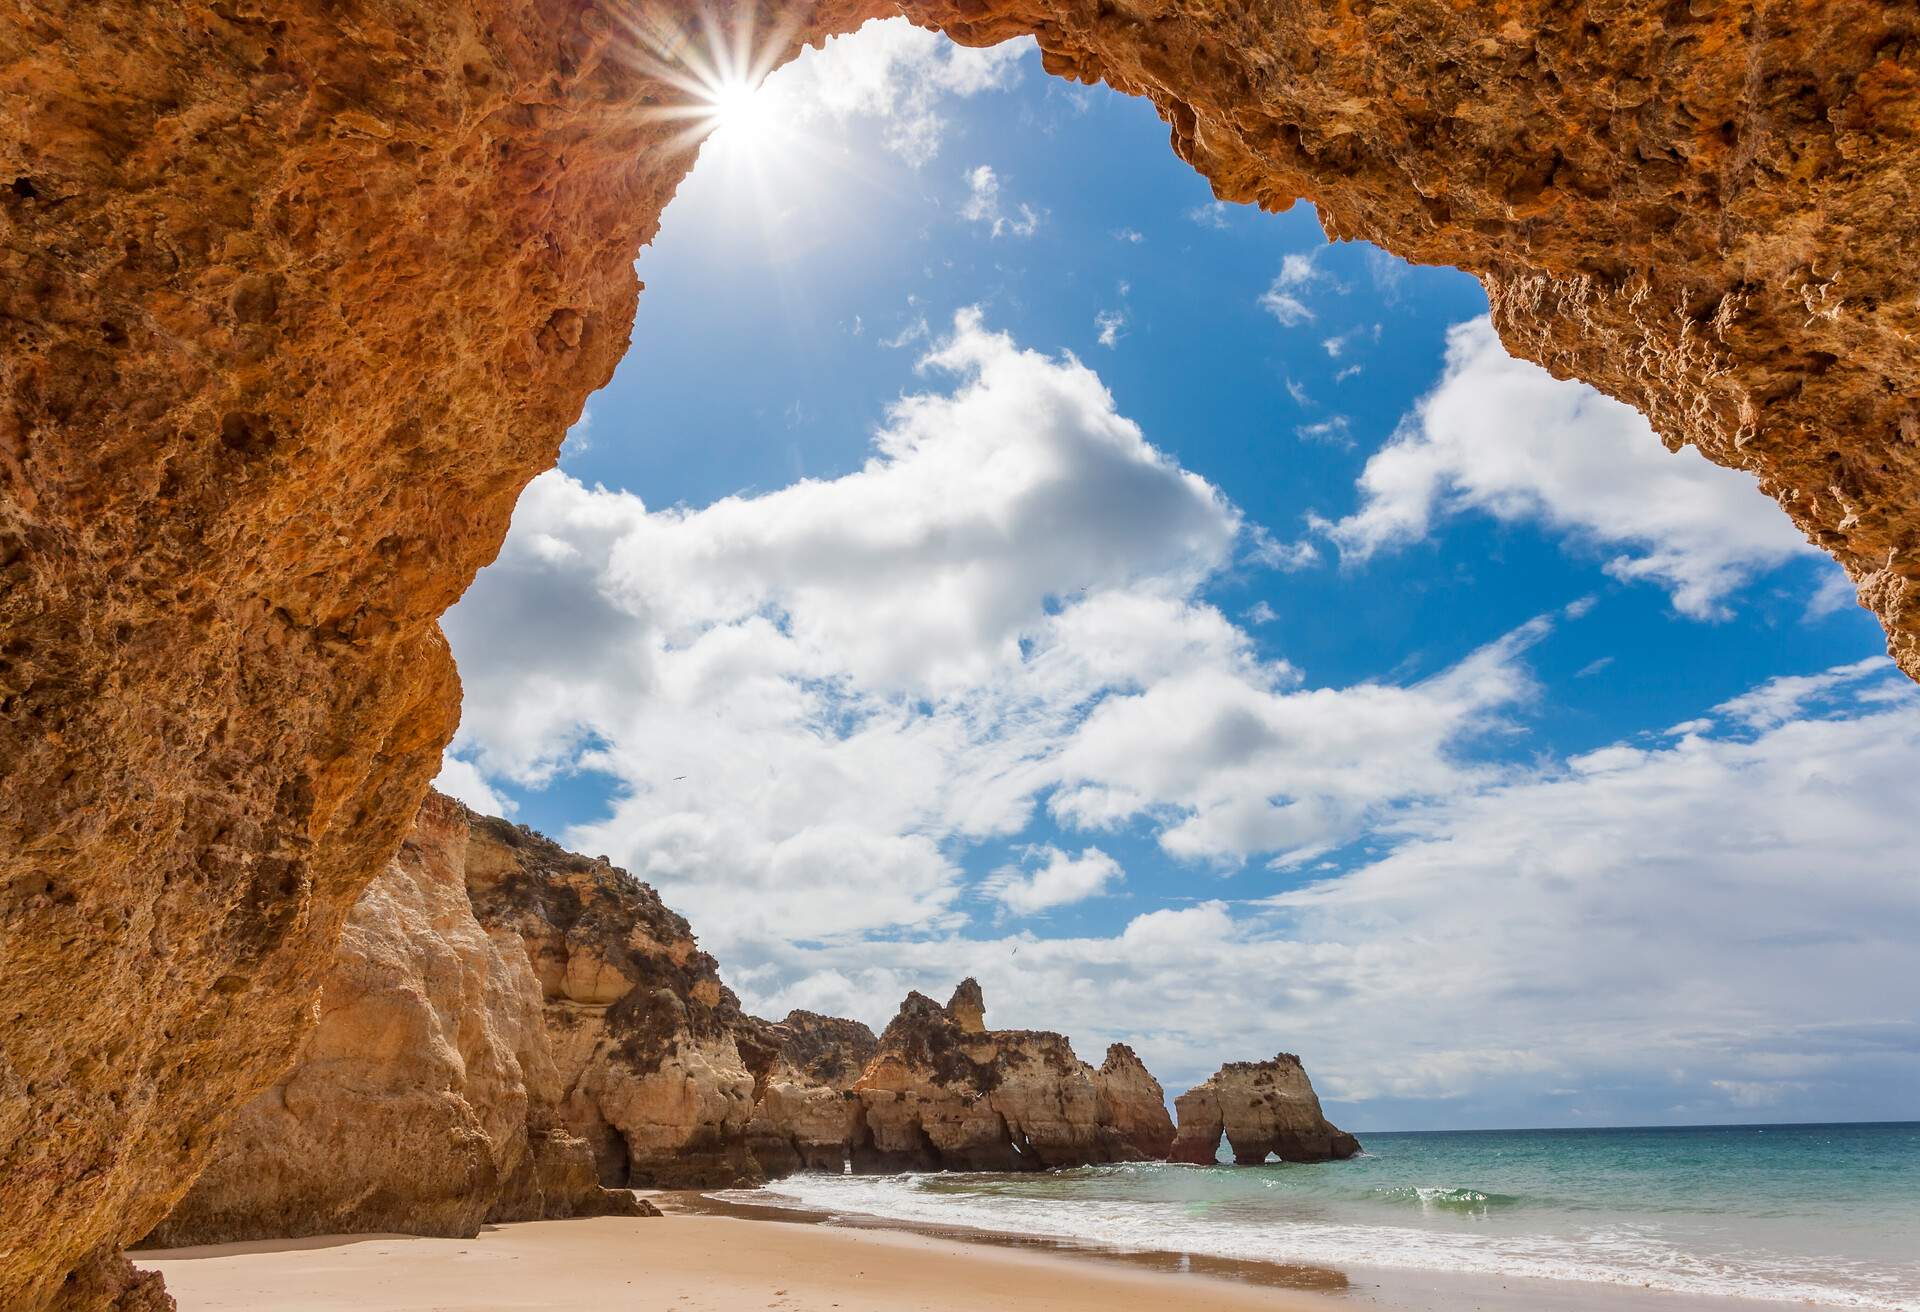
(945, 1092)
(1133, 1105)
(424, 1101)
(1262, 1107)
(296, 307)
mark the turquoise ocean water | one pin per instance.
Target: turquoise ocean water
(1821, 1214)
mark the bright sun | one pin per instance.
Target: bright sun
(717, 70)
(740, 111)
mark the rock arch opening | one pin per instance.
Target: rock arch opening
(297, 309)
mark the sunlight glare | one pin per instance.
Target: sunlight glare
(739, 112)
(717, 68)
(719, 94)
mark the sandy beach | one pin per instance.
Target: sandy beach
(692, 1262)
(681, 1262)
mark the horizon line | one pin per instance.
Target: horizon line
(1689, 1125)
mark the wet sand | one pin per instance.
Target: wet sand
(708, 1256)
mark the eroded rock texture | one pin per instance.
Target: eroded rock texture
(298, 296)
(946, 1093)
(805, 1112)
(424, 1102)
(1262, 1107)
(675, 1086)
(508, 1028)
(644, 1034)
(1132, 1104)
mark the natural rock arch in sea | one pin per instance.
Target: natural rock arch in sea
(299, 296)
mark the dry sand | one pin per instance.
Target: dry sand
(693, 1262)
(690, 1263)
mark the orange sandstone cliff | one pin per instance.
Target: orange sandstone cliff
(426, 1099)
(511, 1031)
(806, 1115)
(514, 1032)
(946, 1093)
(298, 296)
(647, 1040)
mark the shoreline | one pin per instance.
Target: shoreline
(1401, 1289)
(1299, 1278)
(721, 1255)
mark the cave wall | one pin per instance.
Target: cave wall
(298, 296)
(424, 1101)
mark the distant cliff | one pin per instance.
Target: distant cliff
(511, 1031)
(645, 1037)
(946, 1092)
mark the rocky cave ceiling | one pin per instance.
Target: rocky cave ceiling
(298, 296)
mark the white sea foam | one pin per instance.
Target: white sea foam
(1611, 1252)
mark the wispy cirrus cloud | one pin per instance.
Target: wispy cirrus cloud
(1284, 297)
(986, 205)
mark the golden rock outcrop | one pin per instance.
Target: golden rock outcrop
(645, 1037)
(424, 1102)
(1132, 1104)
(465, 1072)
(298, 297)
(946, 1093)
(1262, 1107)
(805, 1113)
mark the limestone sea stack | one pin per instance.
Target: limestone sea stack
(945, 1092)
(1133, 1105)
(1263, 1107)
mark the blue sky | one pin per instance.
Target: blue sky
(995, 557)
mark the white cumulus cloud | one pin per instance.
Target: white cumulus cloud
(463, 780)
(890, 658)
(814, 704)
(998, 612)
(1053, 878)
(1681, 931)
(1503, 437)
(1235, 762)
